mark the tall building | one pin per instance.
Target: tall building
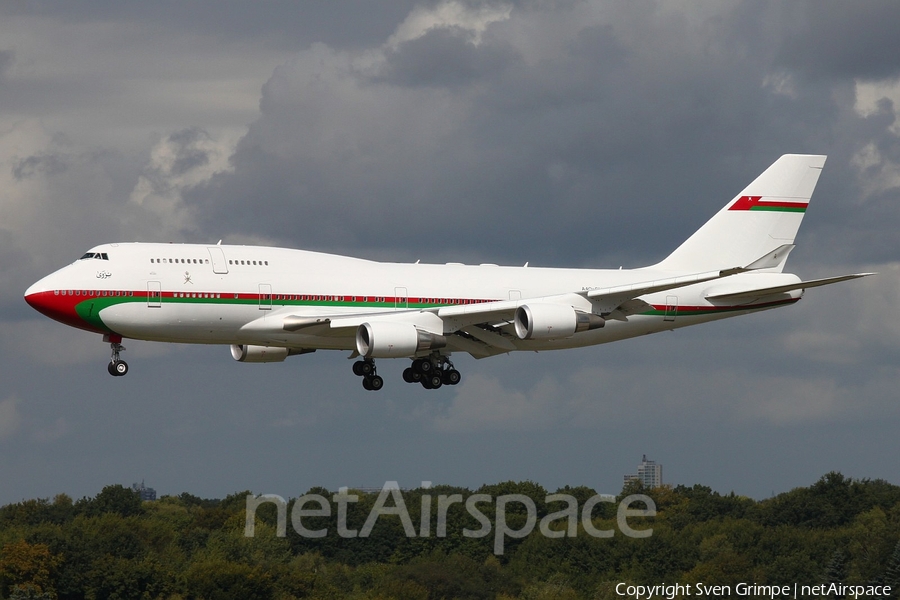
(145, 492)
(648, 473)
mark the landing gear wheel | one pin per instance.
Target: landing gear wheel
(117, 368)
(451, 377)
(362, 368)
(366, 369)
(435, 381)
(373, 383)
(423, 366)
(409, 375)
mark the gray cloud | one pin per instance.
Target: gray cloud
(50, 164)
(6, 60)
(827, 44)
(188, 156)
(282, 22)
(444, 57)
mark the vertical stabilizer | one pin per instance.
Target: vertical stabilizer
(762, 218)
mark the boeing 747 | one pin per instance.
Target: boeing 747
(271, 303)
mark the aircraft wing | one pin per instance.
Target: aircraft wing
(486, 329)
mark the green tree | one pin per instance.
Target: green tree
(892, 572)
(28, 568)
(115, 499)
(216, 579)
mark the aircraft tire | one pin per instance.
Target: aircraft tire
(451, 377)
(409, 375)
(357, 368)
(111, 367)
(121, 367)
(367, 385)
(375, 383)
(435, 381)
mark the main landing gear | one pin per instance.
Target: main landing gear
(117, 367)
(432, 372)
(365, 368)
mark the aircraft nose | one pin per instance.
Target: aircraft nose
(63, 305)
(41, 298)
(53, 303)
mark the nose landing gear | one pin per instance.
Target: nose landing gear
(117, 367)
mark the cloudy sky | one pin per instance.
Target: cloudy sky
(561, 132)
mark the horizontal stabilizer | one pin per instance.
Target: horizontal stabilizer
(610, 299)
(780, 289)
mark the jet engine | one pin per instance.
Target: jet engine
(553, 321)
(258, 354)
(386, 339)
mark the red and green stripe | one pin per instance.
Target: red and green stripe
(756, 203)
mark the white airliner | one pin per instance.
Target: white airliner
(270, 303)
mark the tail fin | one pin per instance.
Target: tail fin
(763, 217)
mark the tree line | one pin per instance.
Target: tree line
(114, 546)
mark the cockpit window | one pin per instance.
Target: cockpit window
(87, 255)
(97, 255)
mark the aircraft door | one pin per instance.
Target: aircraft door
(401, 301)
(154, 294)
(671, 308)
(219, 264)
(265, 296)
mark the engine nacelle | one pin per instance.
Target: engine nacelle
(553, 321)
(258, 354)
(386, 339)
